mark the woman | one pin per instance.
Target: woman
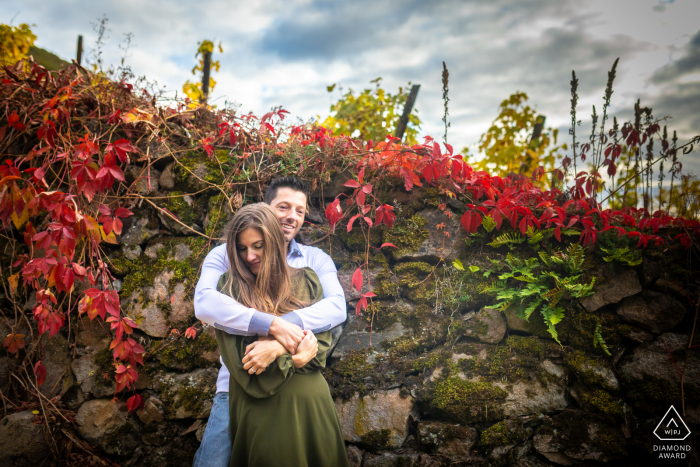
(282, 415)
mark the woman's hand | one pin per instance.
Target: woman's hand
(306, 351)
(260, 354)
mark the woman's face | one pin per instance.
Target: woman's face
(250, 245)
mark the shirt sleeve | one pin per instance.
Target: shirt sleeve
(225, 313)
(259, 386)
(220, 310)
(329, 312)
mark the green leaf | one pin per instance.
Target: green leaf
(488, 223)
(458, 265)
(473, 268)
(507, 239)
(599, 341)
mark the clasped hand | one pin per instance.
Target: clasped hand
(261, 353)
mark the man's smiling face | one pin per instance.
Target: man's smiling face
(290, 207)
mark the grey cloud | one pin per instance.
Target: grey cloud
(689, 63)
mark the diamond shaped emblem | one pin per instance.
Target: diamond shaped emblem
(672, 427)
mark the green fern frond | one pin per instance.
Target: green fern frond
(488, 223)
(599, 341)
(529, 310)
(571, 232)
(575, 257)
(622, 255)
(494, 287)
(507, 239)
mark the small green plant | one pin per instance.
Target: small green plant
(488, 223)
(599, 341)
(534, 284)
(622, 255)
(507, 239)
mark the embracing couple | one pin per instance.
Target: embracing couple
(273, 303)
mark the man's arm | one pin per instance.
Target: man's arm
(220, 310)
(223, 312)
(329, 312)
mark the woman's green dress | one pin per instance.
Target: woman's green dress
(284, 416)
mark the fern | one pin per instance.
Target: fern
(552, 316)
(527, 311)
(599, 341)
(488, 223)
(538, 283)
(507, 239)
(534, 238)
(575, 257)
(570, 232)
(581, 290)
(622, 255)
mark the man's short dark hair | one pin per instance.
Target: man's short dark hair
(285, 182)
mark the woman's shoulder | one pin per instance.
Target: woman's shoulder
(307, 278)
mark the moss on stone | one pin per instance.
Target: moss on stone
(602, 402)
(210, 169)
(177, 205)
(356, 239)
(186, 354)
(189, 396)
(578, 326)
(384, 286)
(376, 440)
(380, 315)
(466, 401)
(142, 271)
(413, 267)
(520, 358)
(407, 234)
(530, 346)
(413, 282)
(429, 361)
(347, 374)
(510, 431)
(584, 368)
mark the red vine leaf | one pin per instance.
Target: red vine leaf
(357, 279)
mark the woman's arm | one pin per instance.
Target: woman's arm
(232, 350)
(318, 361)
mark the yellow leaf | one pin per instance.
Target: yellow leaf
(111, 238)
(35, 412)
(13, 280)
(21, 220)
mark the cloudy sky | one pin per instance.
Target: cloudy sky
(286, 52)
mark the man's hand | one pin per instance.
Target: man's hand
(307, 350)
(260, 354)
(288, 334)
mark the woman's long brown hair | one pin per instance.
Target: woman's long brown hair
(270, 291)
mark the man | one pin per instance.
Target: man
(288, 197)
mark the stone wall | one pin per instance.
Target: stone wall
(427, 376)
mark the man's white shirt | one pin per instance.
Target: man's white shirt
(225, 313)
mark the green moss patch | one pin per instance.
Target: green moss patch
(376, 440)
(407, 234)
(142, 271)
(468, 402)
(186, 354)
(510, 431)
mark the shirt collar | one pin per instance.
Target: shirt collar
(294, 249)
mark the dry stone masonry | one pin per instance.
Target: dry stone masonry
(428, 375)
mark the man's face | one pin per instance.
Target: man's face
(290, 207)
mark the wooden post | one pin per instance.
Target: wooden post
(80, 50)
(205, 77)
(403, 122)
(537, 131)
(534, 143)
